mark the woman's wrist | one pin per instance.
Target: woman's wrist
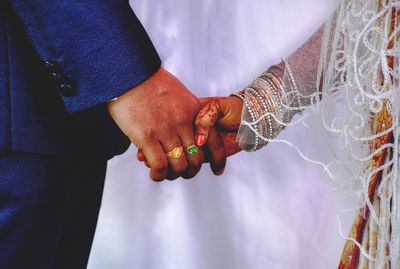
(262, 110)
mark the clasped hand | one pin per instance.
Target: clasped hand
(161, 115)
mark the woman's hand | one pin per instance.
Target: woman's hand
(219, 116)
(216, 127)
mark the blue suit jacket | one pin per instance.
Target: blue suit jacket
(60, 62)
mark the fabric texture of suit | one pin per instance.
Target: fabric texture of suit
(98, 48)
(60, 62)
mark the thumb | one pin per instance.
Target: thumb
(206, 118)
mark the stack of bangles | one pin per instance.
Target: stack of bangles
(262, 101)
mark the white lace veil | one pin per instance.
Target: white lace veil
(344, 84)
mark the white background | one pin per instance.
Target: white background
(271, 209)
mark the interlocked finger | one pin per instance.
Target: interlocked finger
(177, 162)
(194, 154)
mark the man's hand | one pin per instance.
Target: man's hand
(158, 116)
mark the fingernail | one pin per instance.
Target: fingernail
(220, 172)
(200, 140)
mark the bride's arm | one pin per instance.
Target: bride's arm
(285, 89)
(268, 104)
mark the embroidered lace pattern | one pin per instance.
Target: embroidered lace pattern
(343, 81)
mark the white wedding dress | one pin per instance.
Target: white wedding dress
(343, 84)
(271, 209)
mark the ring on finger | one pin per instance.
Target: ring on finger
(192, 150)
(176, 153)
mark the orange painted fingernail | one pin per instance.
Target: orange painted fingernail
(200, 140)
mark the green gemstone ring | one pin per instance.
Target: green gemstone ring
(192, 150)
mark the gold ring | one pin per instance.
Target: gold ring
(176, 153)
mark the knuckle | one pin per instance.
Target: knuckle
(147, 135)
(164, 126)
(180, 168)
(168, 134)
(160, 168)
(156, 178)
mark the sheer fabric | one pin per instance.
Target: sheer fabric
(259, 214)
(345, 81)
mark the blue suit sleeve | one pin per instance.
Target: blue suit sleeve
(94, 50)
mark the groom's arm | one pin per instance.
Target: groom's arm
(94, 50)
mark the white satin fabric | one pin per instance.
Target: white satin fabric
(271, 209)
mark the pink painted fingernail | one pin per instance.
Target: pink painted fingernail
(200, 140)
